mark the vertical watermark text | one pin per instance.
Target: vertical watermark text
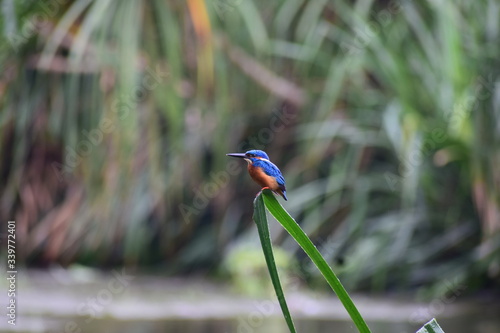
(11, 272)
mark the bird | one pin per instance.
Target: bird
(263, 171)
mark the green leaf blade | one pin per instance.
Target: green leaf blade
(431, 327)
(260, 219)
(291, 226)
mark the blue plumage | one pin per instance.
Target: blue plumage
(257, 153)
(263, 171)
(270, 169)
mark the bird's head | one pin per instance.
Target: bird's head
(251, 156)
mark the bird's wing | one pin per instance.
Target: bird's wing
(272, 170)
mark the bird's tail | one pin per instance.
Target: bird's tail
(283, 194)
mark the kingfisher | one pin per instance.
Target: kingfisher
(263, 171)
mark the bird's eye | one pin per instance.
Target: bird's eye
(251, 155)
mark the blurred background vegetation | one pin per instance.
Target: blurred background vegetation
(384, 117)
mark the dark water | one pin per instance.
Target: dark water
(58, 302)
(489, 323)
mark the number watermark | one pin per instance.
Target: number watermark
(11, 272)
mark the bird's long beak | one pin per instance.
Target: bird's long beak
(240, 155)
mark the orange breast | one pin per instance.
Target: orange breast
(262, 179)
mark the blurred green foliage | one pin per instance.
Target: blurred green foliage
(383, 116)
(247, 269)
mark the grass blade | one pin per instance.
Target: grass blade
(431, 327)
(303, 240)
(260, 219)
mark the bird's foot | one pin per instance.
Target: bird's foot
(262, 189)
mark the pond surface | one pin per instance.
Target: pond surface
(89, 301)
(277, 325)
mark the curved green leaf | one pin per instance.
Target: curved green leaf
(260, 219)
(303, 240)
